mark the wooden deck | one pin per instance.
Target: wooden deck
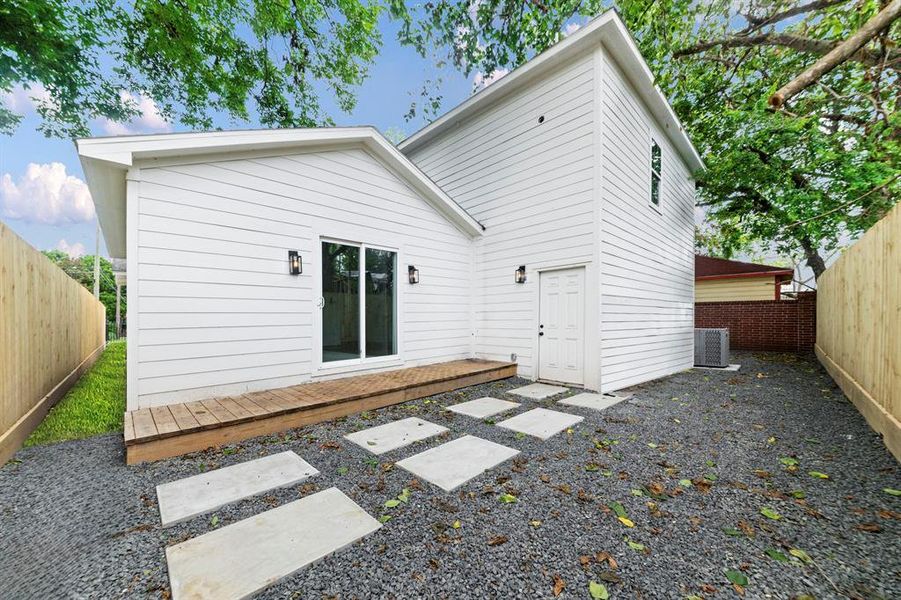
(176, 429)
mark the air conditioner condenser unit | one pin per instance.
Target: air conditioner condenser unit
(711, 347)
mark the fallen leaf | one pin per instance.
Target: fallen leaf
(776, 555)
(598, 591)
(507, 498)
(656, 489)
(732, 531)
(535, 523)
(625, 521)
(869, 527)
(392, 503)
(498, 540)
(606, 556)
(800, 554)
(638, 547)
(384, 518)
(685, 482)
(768, 512)
(215, 520)
(737, 578)
(702, 485)
(559, 585)
(617, 509)
(457, 525)
(818, 475)
(892, 492)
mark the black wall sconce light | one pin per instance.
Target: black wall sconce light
(295, 263)
(412, 274)
(521, 274)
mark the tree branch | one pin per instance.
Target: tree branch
(839, 54)
(796, 42)
(758, 22)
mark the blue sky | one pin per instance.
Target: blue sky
(41, 202)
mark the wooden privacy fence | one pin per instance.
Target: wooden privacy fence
(51, 330)
(859, 326)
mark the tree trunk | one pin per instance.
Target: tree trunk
(814, 260)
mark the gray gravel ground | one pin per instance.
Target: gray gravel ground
(76, 523)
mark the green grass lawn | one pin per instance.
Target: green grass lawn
(93, 406)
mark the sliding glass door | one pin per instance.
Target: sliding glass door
(359, 314)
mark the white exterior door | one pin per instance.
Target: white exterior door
(561, 326)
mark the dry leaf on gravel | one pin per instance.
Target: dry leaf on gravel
(605, 556)
(498, 540)
(559, 585)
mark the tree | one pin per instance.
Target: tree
(91, 59)
(82, 270)
(801, 178)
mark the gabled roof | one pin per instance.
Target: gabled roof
(609, 29)
(708, 267)
(106, 161)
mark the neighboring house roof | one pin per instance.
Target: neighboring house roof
(608, 29)
(106, 161)
(707, 267)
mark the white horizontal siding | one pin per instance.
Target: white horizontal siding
(217, 312)
(647, 258)
(532, 186)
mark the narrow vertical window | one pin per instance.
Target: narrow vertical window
(655, 173)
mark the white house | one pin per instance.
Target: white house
(547, 220)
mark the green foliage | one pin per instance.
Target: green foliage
(93, 406)
(194, 58)
(82, 270)
(798, 179)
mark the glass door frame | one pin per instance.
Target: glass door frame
(363, 362)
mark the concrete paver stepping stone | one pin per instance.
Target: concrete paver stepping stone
(452, 464)
(192, 496)
(539, 391)
(243, 558)
(392, 436)
(593, 401)
(541, 422)
(482, 408)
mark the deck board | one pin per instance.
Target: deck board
(204, 418)
(165, 422)
(151, 434)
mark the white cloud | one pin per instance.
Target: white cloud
(46, 194)
(23, 101)
(75, 250)
(571, 28)
(480, 80)
(149, 121)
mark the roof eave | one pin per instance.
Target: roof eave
(783, 273)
